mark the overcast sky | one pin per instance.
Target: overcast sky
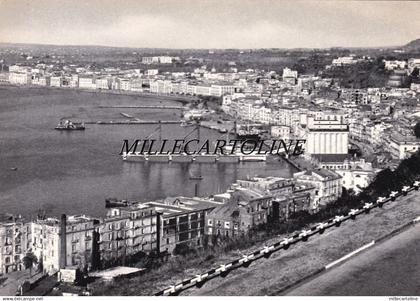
(209, 24)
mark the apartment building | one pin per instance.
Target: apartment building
(20, 78)
(245, 210)
(274, 186)
(128, 231)
(65, 242)
(13, 243)
(43, 81)
(298, 200)
(403, 146)
(56, 81)
(103, 83)
(182, 222)
(87, 83)
(327, 183)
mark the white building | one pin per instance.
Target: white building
(402, 146)
(287, 72)
(56, 81)
(87, 83)
(327, 136)
(103, 83)
(328, 184)
(355, 174)
(391, 65)
(20, 78)
(41, 81)
(344, 60)
(280, 131)
(125, 84)
(151, 72)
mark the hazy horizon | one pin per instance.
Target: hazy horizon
(205, 24)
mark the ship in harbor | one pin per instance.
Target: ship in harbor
(197, 158)
(250, 131)
(68, 125)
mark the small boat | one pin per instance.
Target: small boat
(113, 203)
(68, 125)
(13, 168)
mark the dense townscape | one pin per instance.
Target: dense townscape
(352, 132)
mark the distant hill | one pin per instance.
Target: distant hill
(413, 45)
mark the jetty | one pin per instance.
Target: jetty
(132, 122)
(144, 107)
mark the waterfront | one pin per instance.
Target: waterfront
(73, 172)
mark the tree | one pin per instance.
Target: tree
(417, 129)
(415, 72)
(29, 260)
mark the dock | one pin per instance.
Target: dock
(132, 122)
(196, 158)
(144, 107)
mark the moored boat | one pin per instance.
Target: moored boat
(68, 125)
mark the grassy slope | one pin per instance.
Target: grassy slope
(284, 267)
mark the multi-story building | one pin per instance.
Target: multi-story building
(298, 200)
(56, 81)
(219, 90)
(13, 243)
(151, 72)
(328, 185)
(128, 231)
(66, 242)
(245, 210)
(80, 245)
(161, 87)
(87, 83)
(20, 78)
(290, 76)
(403, 146)
(327, 136)
(165, 59)
(394, 64)
(344, 60)
(38, 80)
(280, 131)
(125, 84)
(355, 174)
(273, 186)
(288, 195)
(103, 83)
(182, 222)
(46, 243)
(74, 82)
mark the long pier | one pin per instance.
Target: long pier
(132, 122)
(197, 158)
(143, 107)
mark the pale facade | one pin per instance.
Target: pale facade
(16, 78)
(327, 136)
(13, 241)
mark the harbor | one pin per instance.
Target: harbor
(84, 168)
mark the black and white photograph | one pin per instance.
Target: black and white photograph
(209, 148)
